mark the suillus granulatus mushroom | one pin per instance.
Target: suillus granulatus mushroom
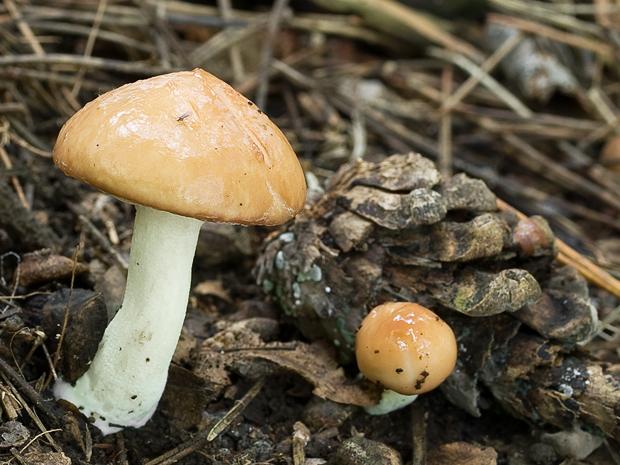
(405, 348)
(184, 148)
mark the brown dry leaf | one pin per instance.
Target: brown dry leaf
(240, 348)
(215, 288)
(316, 363)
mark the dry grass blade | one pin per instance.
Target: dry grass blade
(395, 18)
(485, 79)
(546, 13)
(88, 50)
(275, 18)
(551, 33)
(24, 27)
(475, 78)
(137, 68)
(538, 162)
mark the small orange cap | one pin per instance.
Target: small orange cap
(405, 347)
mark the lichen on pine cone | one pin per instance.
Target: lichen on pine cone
(396, 230)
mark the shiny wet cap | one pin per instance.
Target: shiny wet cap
(186, 143)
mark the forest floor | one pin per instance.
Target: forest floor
(523, 95)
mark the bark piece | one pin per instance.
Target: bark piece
(460, 192)
(477, 339)
(87, 320)
(480, 293)
(564, 316)
(350, 230)
(184, 398)
(362, 451)
(400, 173)
(47, 458)
(544, 382)
(482, 237)
(462, 453)
(13, 434)
(44, 266)
(395, 211)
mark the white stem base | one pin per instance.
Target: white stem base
(389, 402)
(127, 377)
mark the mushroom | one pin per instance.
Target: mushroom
(184, 148)
(407, 349)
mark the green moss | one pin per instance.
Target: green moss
(463, 298)
(348, 336)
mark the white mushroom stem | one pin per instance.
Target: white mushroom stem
(390, 401)
(128, 374)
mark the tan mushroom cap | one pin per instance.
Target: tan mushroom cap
(186, 143)
(405, 347)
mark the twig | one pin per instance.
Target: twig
(227, 38)
(29, 391)
(108, 36)
(50, 363)
(234, 412)
(165, 30)
(604, 107)
(234, 53)
(22, 143)
(4, 139)
(19, 127)
(23, 449)
(67, 309)
(251, 80)
(18, 456)
(342, 26)
(573, 9)
(52, 419)
(301, 438)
